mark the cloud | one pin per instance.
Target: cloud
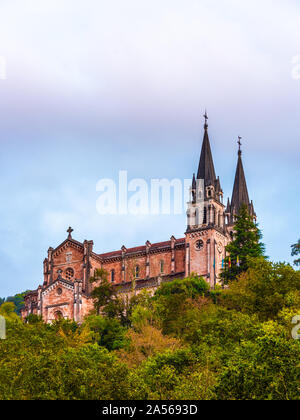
(94, 87)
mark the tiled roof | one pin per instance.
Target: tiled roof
(143, 248)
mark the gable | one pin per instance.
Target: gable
(68, 244)
(68, 258)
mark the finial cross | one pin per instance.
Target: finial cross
(205, 116)
(70, 230)
(239, 143)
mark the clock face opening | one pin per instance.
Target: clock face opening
(199, 245)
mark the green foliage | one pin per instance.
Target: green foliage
(188, 288)
(33, 319)
(264, 369)
(116, 306)
(38, 362)
(265, 289)
(170, 302)
(107, 332)
(8, 310)
(104, 292)
(17, 300)
(216, 326)
(246, 244)
(174, 375)
(296, 251)
(186, 342)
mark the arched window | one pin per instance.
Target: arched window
(112, 276)
(162, 266)
(137, 271)
(194, 196)
(69, 273)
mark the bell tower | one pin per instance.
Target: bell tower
(206, 235)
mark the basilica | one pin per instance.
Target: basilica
(65, 291)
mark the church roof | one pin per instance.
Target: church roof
(138, 249)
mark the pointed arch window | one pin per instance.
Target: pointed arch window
(112, 276)
(162, 266)
(205, 216)
(137, 271)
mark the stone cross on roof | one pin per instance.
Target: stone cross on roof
(70, 230)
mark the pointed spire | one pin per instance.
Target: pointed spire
(206, 168)
(228, 206)
(240, 191)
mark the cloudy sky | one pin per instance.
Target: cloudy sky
(93, 87)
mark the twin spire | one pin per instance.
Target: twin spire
(206, 171)
(240, 191)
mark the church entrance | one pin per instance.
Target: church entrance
(58, 315)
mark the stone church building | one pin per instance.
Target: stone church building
(66, 290)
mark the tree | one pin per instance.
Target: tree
(174, 374)
(8, 310)
(17, 300)
(263, 369)
(296, 251)
(122, 307)
(246, 243)
(264, 289)
(148, 341)
(171, 302)
(42, 361)
(106, 332)
(104, 292)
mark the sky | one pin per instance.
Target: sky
(94, 87)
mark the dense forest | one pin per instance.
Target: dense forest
(186, 341)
